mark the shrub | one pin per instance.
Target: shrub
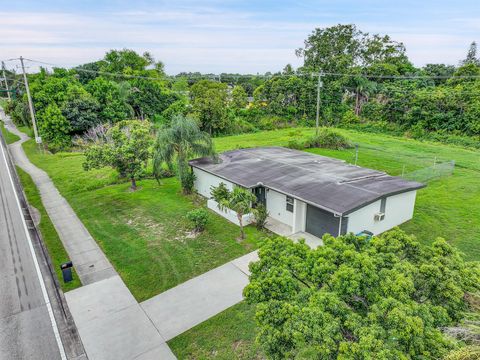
(54, 128)
(188, 181)
(349, 117)
(219, 192)
(296, 144)
(199, 219)
(260, 214)
(328, 139)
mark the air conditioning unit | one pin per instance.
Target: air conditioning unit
(379, 216)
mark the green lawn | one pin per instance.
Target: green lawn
(145, 234)
(448, 207)
(7, 135)
(58, 255)
(228, 335)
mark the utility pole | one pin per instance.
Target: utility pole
(6, 82)
(319, 86)
(38, 139)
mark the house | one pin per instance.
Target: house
(311, 193)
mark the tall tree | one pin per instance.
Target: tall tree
(353, 298)
(209, 103)
(471, 55)
(179, 142)
(338, 48)
(125, 149)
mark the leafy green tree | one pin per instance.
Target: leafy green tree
(81, 112)
(240, 200)
(126, 149)
(354, 298)
(88, 71)
(179, 107)
(239, 97)
(209, 104)
(338, 48)
(149, 98)
(54, 128)
(179, 142)
(128, 62)
(112, 100)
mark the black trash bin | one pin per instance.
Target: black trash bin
(67, 271)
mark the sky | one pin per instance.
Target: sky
(226, 35)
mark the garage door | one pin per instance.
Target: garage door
(320, 222)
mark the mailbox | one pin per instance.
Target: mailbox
(67, 271)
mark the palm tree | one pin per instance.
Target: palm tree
(239, 200)
(181, 141)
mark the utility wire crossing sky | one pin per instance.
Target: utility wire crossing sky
(227, 36)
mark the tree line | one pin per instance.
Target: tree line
(365, 79)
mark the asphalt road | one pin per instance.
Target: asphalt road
(26, 320)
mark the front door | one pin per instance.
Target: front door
(260, 194)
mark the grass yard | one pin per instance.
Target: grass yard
(448, 207)
(7, 135)
(145, 233)
(58, 255)
(228, 335)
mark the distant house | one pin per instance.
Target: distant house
(312, 193)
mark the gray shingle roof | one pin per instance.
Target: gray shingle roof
(325, 182)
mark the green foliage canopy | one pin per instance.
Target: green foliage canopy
(386, 298)
(127, 150)
(180, 141)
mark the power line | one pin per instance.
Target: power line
(311, 74)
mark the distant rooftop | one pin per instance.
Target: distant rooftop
(327, 183)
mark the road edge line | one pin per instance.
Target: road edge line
(35, 261)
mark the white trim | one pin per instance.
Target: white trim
(37, 267)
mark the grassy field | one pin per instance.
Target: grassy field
(228, 335)
(448, 207)
(145, 233)
(50, 237)
(7, 135)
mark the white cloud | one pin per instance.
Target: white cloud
(203, 38)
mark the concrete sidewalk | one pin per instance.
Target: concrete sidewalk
(186, 305)
(89, 261)
(111, 324)
(196, 300)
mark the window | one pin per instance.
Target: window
(290, 203)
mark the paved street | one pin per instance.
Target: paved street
(26, 329)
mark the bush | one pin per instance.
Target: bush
(349, 117)
(188, 181)
(296, 144)
(260, 213)
(219, 192)
(54, 128)
(199, 219)
(328, 139)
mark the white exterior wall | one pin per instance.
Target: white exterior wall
(299, 216)
(229, 214)
(204, 181)
(277, 207)
(398, 209)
